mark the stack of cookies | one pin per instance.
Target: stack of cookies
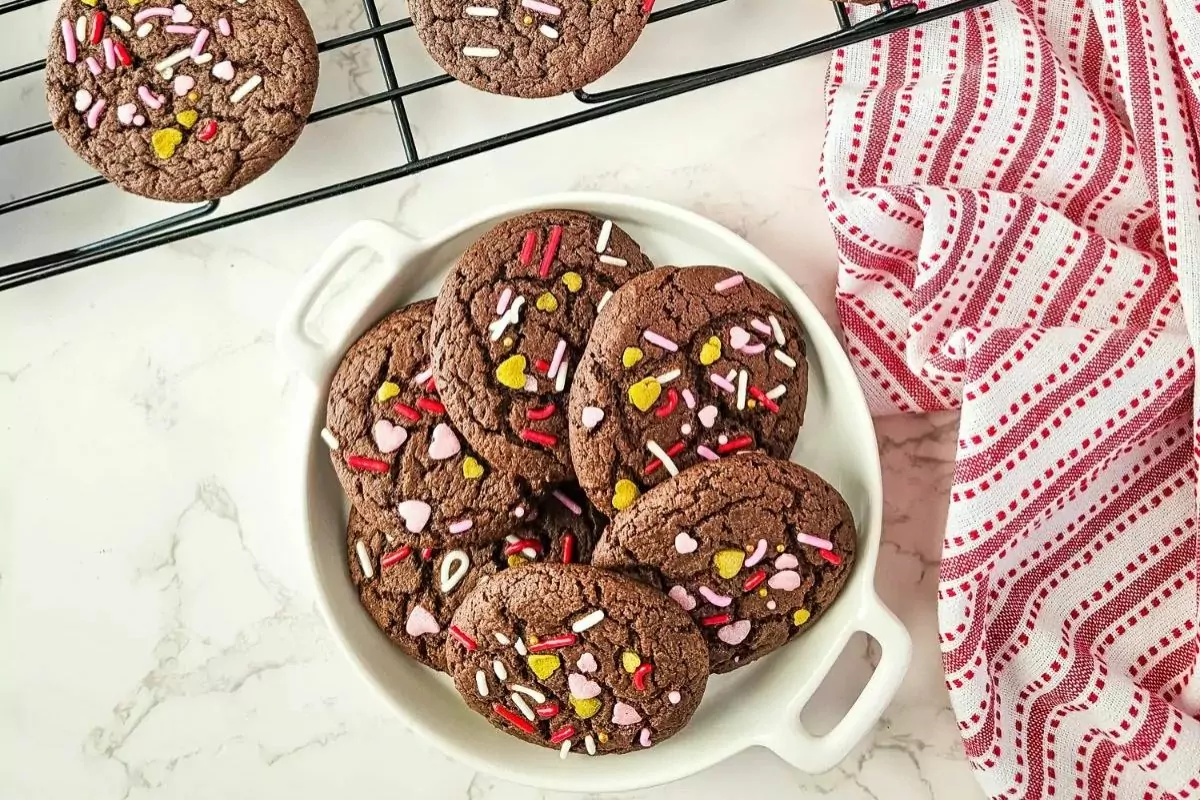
(570, 487)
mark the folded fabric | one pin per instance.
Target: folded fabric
(1015, 193)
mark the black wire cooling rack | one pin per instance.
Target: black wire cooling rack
(203, 218)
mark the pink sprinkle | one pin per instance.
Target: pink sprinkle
(545, 8)
(151, 12)
(729, 283)
(721, 381)
(223, 26)
(689, 398)
(187, 30)
(754, 349)
(462, 526)
(110, 53)
(760, 326)
(556, 362)
(644, 739)
(661, 341)
(760, 550)
(69, 42)
(571, 505)
(502, 306)
(201, 41)
(149, 98)
(823, 544)
(94, 65)
(707, 454)
(718, 600)
(93, 117)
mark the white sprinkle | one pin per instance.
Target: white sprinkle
(785, 358)
(502, 639)
(534, 694)
(729, 376)
(613, 261)
(480, 52)
(561, 382)
(120, 24)
(454, 568)
(498, 668)
(246, 88)
(590, 743)
(605, 233)
(742, 379)
(173, 59)
(512, 316)
(548, 32)
(482, 11)
(667, 377)
(223, 27)
(564, 749)
(330, 439)
(770, 605)
(603, 300)
(422, 376)
(778, 392)
(689, 398)
(722, 439)
(590, 621)
(481, 683)
(520, 647)
(364, 558)
(144, 30)
(685, 429)
(522, 706)
(202, 59)
(662, 456)
(81, 28)
(502, 303)
(518, 512)
(775, 327)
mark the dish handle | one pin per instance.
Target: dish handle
(315, 358)
(793, 743)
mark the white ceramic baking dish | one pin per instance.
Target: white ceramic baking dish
(756, 706)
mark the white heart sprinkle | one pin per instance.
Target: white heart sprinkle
(420, 621)
(707, 415)
(183, 84)
(591, 416)
(127, 113)
(83, 99)
(388, 437)
(685, 543)
(181, 14)
(415, 514)
(223, 70)
(680, 595)
(738, 337)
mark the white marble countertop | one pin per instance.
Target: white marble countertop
(158, 626)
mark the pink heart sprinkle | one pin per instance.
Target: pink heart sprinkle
(787, 561)
(738, 337)
(83, 99)
(586, 663)
(126, 113)
(415, 514)
(582, 687)
(624, 714)
(444, 443)
(685, 544)
(788, 580)
(707, 415)
(181, 14)
(718, 600)
(680, 595)
(223, 70)
(591, 416)
(388, 437)
(184, 84)
(735, 632)
(421, 622)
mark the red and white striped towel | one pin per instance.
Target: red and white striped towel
(1016, 198)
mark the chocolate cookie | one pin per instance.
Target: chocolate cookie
(528, 48)
(399, 458)
(412, 593)
(511, 322)
(753, 547)
(183, 102)
(684, 365)
(577, 659)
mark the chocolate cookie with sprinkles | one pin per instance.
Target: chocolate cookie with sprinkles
(685, 365)
(510, 324)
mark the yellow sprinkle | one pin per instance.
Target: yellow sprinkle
(187, 118)
(631, 356)
(728, 562)
(531, 639)
(602, 737)
(516, 560)
(801, 616)
(165, 141)
(193, 96)
(528, 20)
(751, 403)
(625, 493)
(386, 391)
(630, 661)
(643, 393)
(711, 351)
(762, 592)
(471, 468)
(547, 302)
(749, 548)
(584, 708)
(543, 664)
(779, 548)
(511, 372)
(573, 281)
(508, 341)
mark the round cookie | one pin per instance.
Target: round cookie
(577, 659)
(401, 461)
(511, 322)
(684, 365)
(528, 48)
(183, 102)
(412, 593)
(754, 548)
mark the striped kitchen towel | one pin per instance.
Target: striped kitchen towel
(1015, 193)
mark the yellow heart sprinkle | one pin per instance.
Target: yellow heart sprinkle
(643, 393)
(624, 495)
(630, 661)
(91, 3)
(516, 561)
(631, 356)
(472, 469)
(165, 141)
(187, 118)
(710, 352)
(386, 391)
(511, 372)
(728, 562)
(573, 281)
(585, 708)
(131, 2)
(801, 616)
(547, 302)
(543, 665)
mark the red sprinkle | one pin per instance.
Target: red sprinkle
(551, 250)
(431, 384)
(427, 553)
(640, 674)
(466, 640)
(547, 711)
(717, 619)
(831, 557)
(672, 451)
(537, 437)
(369, 464)
(406, 411)
(562, 734)
(123, 55)
(431, 405)
(735, 444)
(395, 557)
(98, 26)
(208, 131)
(668, 407)
(753, 581)
(761, 396)
(647, 5)
(521, 544)
(542, 365)
(514, 719)
(527, 248)
(554, 643)
(539, 414)
(568, 548)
